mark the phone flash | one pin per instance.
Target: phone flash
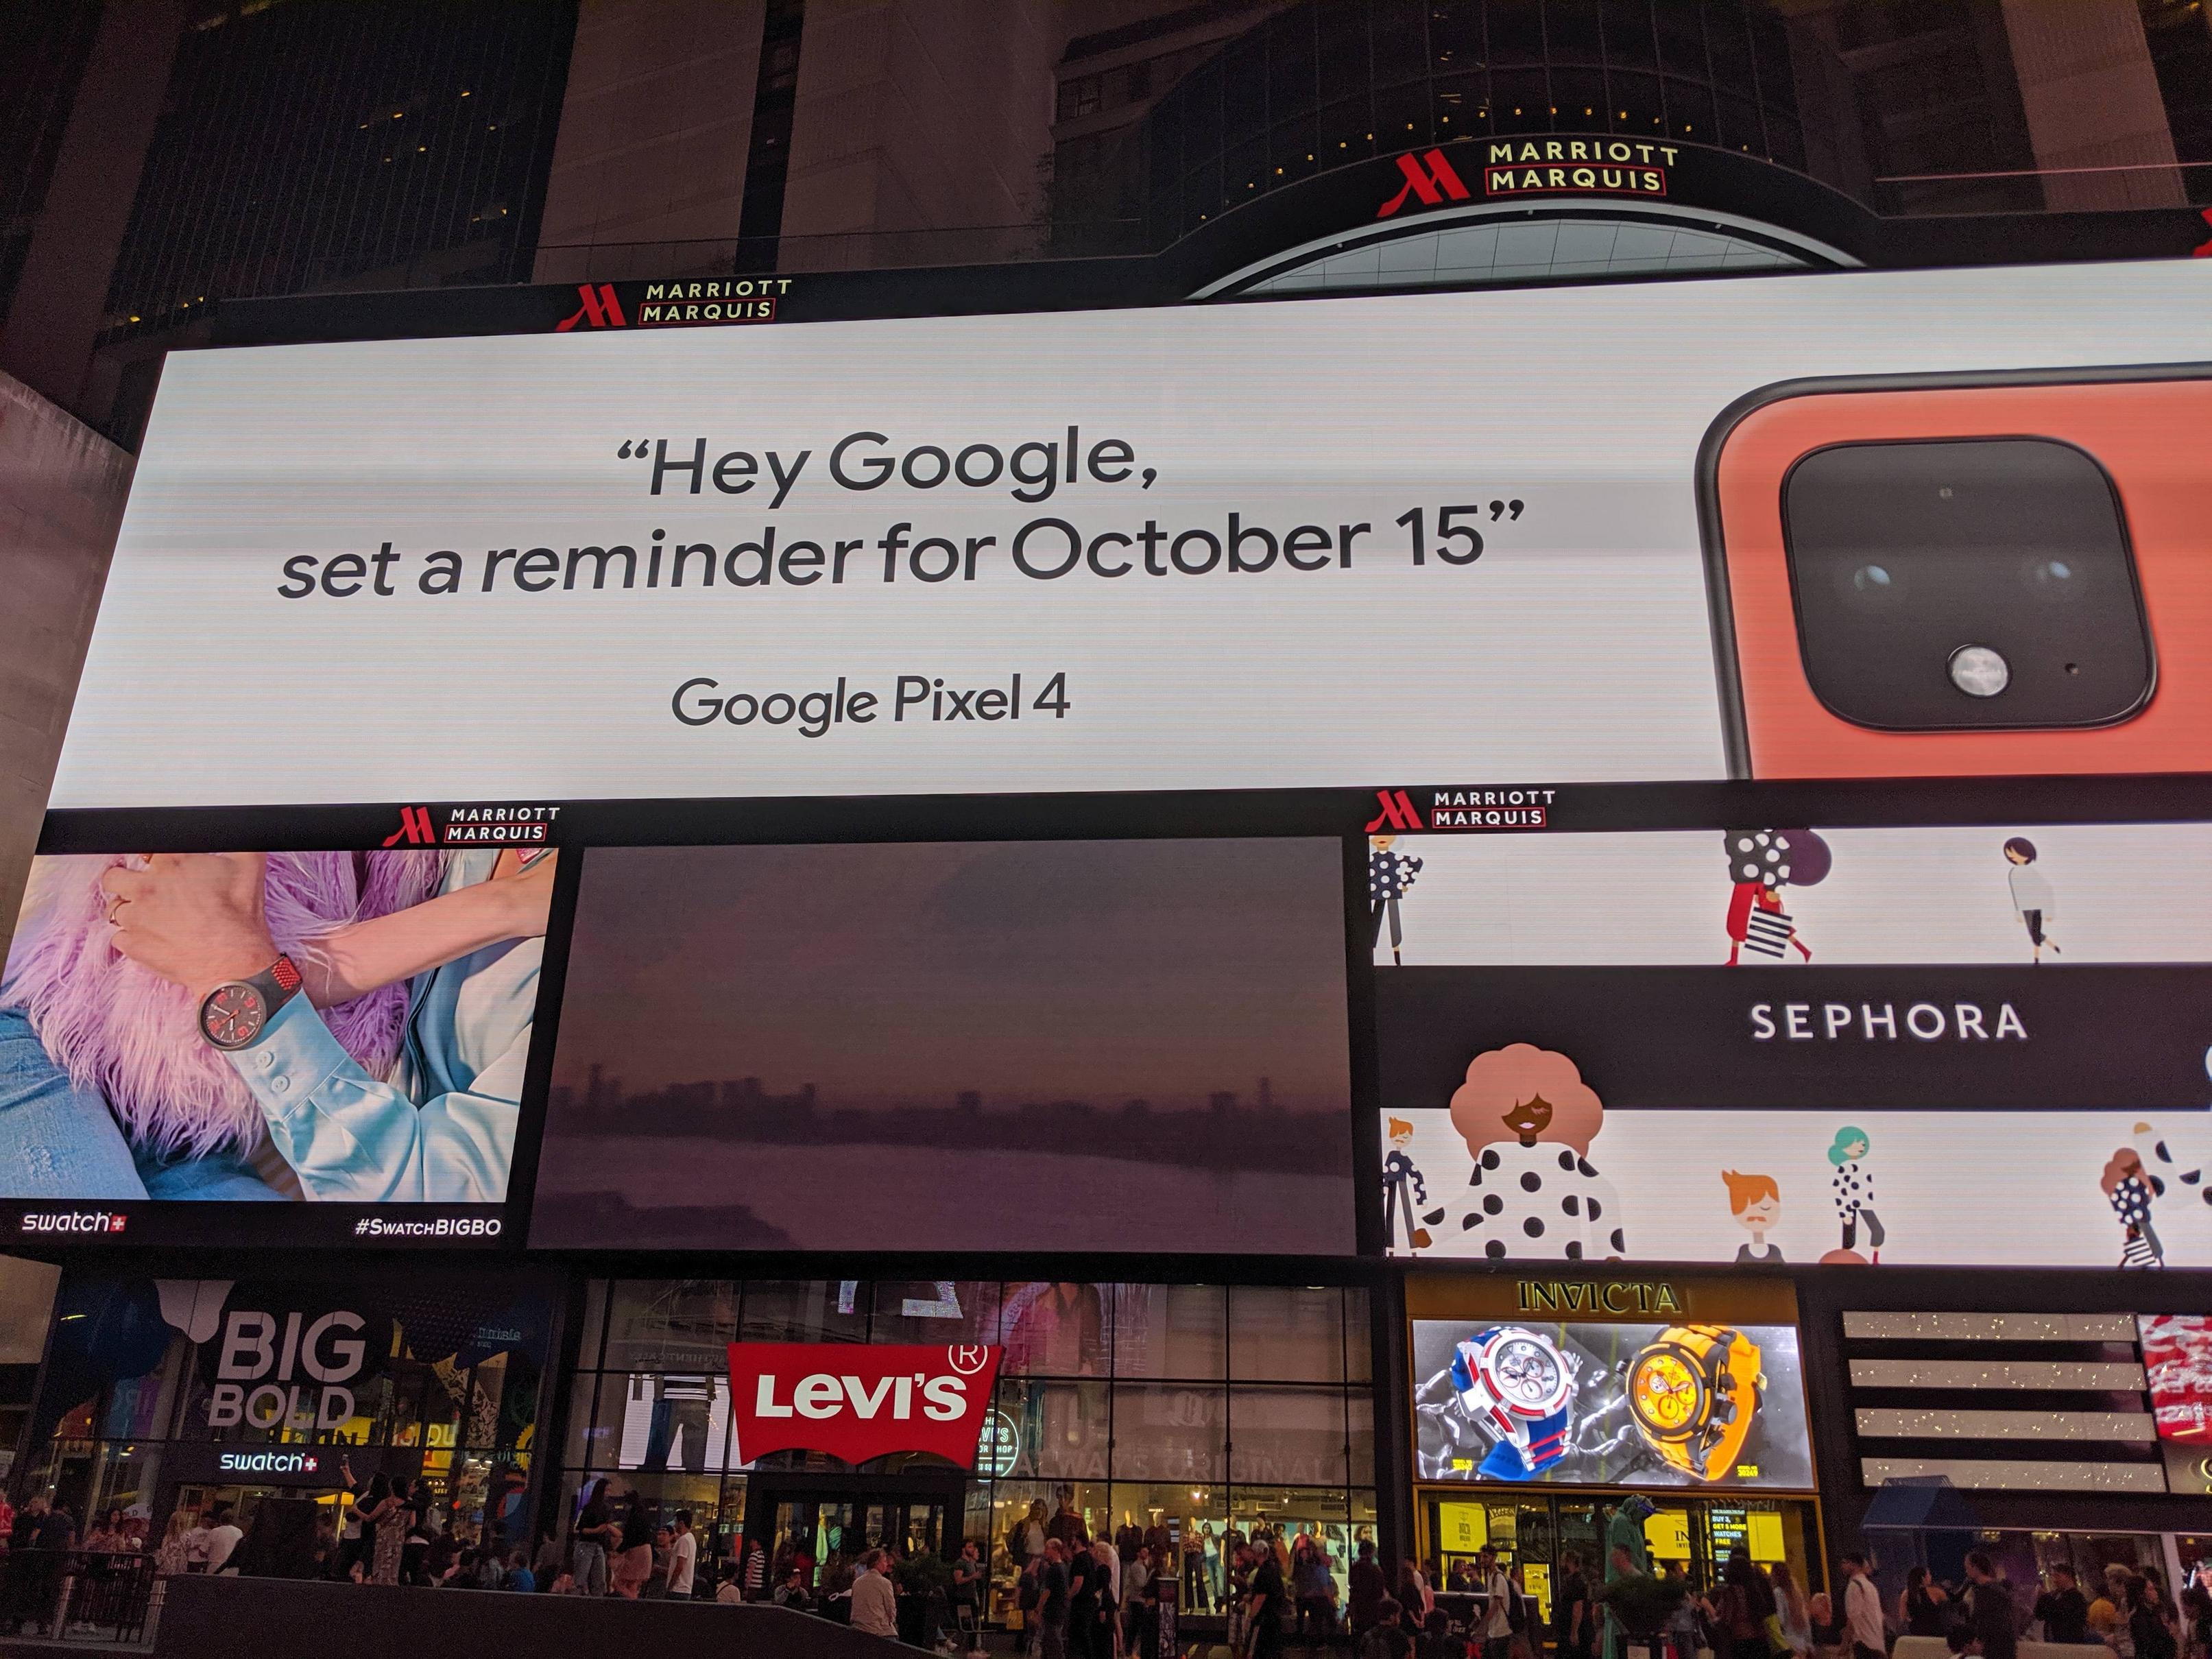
(1979, 671)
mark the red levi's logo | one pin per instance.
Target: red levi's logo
(856, 1402)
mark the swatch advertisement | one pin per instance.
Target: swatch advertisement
(1307, 545)
(254, 1045)
(1776, 1044)
(1591, 1403)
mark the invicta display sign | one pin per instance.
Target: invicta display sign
(1613, 167)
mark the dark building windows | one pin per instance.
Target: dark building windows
(312, 146)
(1319, 85)
(768, 151)
(2179, 34)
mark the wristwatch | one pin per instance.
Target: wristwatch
(234, 1014)
(1516, 1386)
(1694, 1392)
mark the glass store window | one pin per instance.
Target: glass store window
(1178, 1412)
(148, 1380)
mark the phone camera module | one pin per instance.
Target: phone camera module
(1962, 584)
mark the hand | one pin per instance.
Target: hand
(525, 897)
(195, 919)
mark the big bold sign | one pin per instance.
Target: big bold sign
(855, 1402)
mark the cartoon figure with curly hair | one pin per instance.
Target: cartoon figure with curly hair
(1528, 1119)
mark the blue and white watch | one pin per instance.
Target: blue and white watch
(1516, 1386)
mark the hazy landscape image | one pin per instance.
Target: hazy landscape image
(1114, 1045)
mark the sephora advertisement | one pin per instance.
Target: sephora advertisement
(1775, 1044)
(1328, 544)
(1079, 1045)
(1587, 1404)
(249, 1047)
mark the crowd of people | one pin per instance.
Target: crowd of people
(1103, 1598)
(1077, 1596)
(2130, 1611)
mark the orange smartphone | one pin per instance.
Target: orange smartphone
(1964, 575)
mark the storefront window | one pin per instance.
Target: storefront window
(1132, 1396)
(1294, 1436)
(1170, 1432)
(1169, 1330)
(1285, 1334)
(1056, 1329)
(1060, 1428)
(443, 1388)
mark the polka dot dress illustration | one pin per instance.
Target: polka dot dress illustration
(1544, 1200)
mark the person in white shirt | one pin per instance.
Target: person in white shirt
(1863, 1610)
(875, 1603)
(1496, 1632)
(222, 1539)
(682, 1557)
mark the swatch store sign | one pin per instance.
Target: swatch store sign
(855, 1403)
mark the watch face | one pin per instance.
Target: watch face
(1527, 1372)
(232, 1015)
(1664, 1393)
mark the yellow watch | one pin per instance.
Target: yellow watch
(1694, 1392)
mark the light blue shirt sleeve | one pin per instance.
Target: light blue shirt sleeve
(349, 1137)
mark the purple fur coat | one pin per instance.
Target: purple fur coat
(132, 1037)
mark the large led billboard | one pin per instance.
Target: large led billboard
(955, 1046)
(1342, 543)
(842, 599)
(1766, 1044)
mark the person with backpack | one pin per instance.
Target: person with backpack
(1495, 1628)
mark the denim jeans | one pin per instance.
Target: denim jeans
(57, 1140)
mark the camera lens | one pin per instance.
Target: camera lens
(1873, 585)
(2051, 579)
(1979, 671)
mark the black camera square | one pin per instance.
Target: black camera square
(1965, 584)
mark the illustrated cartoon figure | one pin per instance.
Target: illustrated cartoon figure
(1402, 1188)
(1761, 863)
(2033, 900)
(1854, 1185)
(1756, 1203)
(1528, 1119)
(1389, 877)
(2128, 1188)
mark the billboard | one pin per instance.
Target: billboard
(1772, 1044)
(1319, 544)
(1097, 1045)
(1594, 1403)
(1218, 575)
(259, 1045)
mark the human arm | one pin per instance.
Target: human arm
(352, 960)
(198, 920)
(349, 1136)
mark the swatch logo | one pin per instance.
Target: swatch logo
(73, 1221)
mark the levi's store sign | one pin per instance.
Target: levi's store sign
(855, 1402)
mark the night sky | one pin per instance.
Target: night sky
(1038, 970)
